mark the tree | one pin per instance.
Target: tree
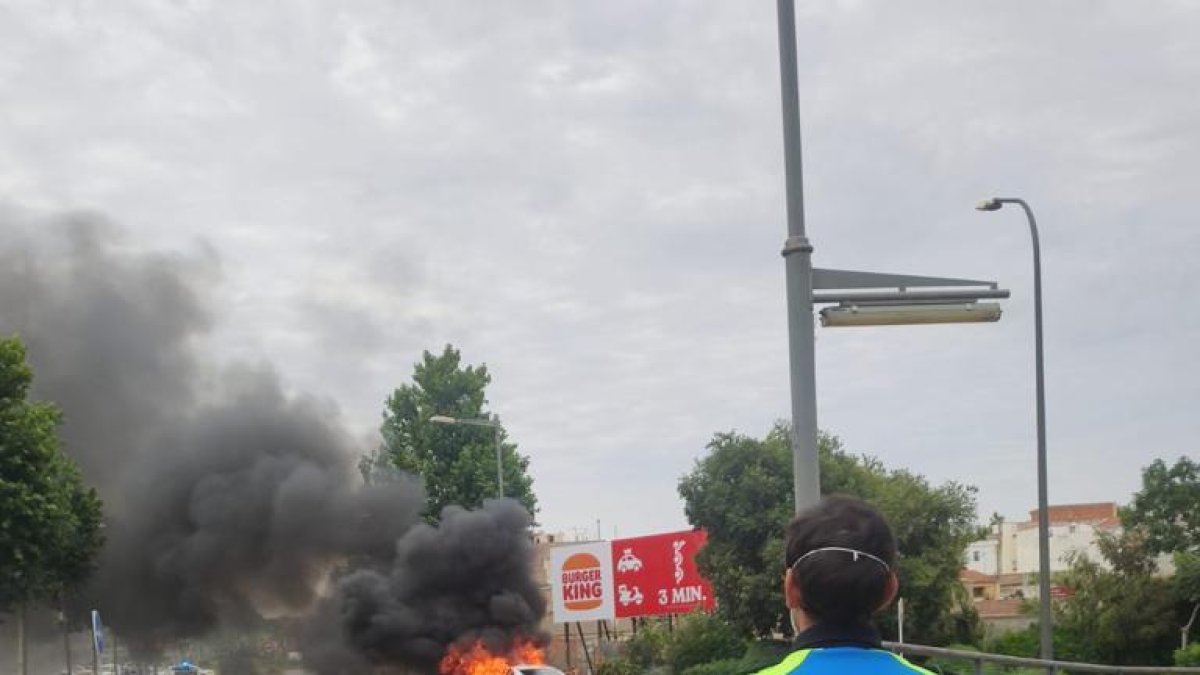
(1166, 514)
(741, 493)
(49, 521)
(1166, 507)
(457, 462)
(1187, 583)
(1122, 614)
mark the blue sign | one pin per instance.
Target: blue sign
(97, 633)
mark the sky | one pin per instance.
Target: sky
(589, 198)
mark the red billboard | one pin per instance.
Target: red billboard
(657, 575)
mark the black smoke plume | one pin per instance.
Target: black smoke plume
(467, 579)
(225, 497)
(247, 514)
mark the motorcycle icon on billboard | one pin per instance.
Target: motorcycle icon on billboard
(627, 595)
(628, 562)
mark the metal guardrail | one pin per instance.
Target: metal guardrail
(978, 659)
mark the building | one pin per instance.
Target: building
(1012, 548)
(1001, 571)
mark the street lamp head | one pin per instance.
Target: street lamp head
(443, 419)
(992, 204)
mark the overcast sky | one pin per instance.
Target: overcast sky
(588, 197)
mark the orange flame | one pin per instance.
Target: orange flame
(477, 660)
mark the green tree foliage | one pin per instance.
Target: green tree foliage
(1123, 610)
(741, 493)
(648, 647)
(1024, 642)
(1189, 656)
(1120, 614)
(701, 644)
(1166, 507)
(618, 667)
(1166, 511)
(702, 638)
(1187, 576)
(49, 522)
(457, 462)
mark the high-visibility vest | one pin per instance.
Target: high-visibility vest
(843, 661)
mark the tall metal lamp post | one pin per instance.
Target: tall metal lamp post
(1045, 617)
(858, 298)
(481, 422)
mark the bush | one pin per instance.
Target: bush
(1024, 642)
(759, 655)
(1188, 656)
(764, 653)
(648, 647)
(618, 667)
(722, 667)
(702, 638)
(948, 665)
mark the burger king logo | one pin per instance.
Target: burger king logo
(582, 582)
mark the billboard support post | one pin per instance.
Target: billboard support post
(567, 641)
(583, 640)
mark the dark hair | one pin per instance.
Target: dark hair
(837, 587)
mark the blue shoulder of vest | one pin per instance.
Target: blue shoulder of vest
(841, 661)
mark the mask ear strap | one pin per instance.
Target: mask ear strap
(854, 553)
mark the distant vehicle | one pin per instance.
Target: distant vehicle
(535, 670)
(185, 668)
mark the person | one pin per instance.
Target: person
(841, 571)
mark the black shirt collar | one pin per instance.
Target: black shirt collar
(821, 635)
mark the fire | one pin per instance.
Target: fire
(478, 660)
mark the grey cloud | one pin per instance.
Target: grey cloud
(543, 164)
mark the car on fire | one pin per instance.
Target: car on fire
(536, 670)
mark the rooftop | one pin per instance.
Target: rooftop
(998, 609)
(1099, 512)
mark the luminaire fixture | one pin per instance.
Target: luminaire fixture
(909, 314)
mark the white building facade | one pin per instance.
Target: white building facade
(1011, 552)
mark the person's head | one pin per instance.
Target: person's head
(841, 564)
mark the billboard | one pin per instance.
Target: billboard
(657, 575)
(581, 582)
(640, 576)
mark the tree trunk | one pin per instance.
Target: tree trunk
(66, 635)
(22, 643)
(1183, 631)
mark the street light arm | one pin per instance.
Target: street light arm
(498, 438)
(1033, 232)
(474, 422)
(480, 423)
(995, 203)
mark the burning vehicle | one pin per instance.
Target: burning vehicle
(523, 659)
